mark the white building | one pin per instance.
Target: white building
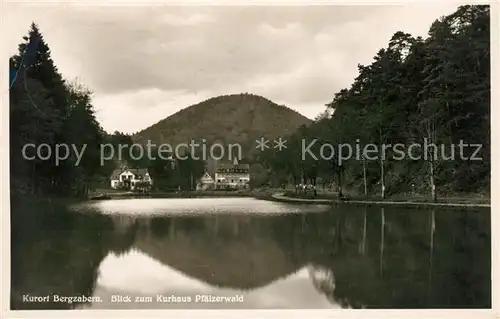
(232, 176)
(130, 178)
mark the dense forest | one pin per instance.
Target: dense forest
(44, 108)
(47, 109)
(434, 89)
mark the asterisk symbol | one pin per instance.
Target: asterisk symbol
(262, 144)
(280, 144)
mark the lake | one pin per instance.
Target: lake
(247, 253)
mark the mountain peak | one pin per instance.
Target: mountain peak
(238, 118)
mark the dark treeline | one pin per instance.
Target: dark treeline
(176, 174)
(47, 109)
(44, 108)
(437, 89)
(169, 172)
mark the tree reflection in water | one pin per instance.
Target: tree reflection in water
(358, 257)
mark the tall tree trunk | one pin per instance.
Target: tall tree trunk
(364, 177)
(340, 173)
(433, 185)
(382, 178)
(431, 165)
(382, 171)
(304, 181)
(295, 184)
(314, 185)
(334, 172)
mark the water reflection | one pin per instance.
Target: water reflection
(382, 241)
(347, 256)
(431, 251)
(143, 275)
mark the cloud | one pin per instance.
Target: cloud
(133, 111)
(191, 20)
(144, 63)
(290, 30)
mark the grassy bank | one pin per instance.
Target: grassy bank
(292, 196)
(113, 194)
(456, 199)
(464, 202)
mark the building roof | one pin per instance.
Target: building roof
(116, 173)
(136, 171)
(231, 166)
(206, 176)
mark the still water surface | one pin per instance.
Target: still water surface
(184, 253)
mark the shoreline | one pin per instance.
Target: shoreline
(283, 198)
(192, 194)
(274, 195)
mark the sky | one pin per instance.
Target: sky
(144, 63)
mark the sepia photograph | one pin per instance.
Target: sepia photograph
(244, 157)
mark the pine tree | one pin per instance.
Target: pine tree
(437, 88)
(45, 109)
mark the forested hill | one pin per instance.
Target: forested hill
(435, 88)
(228, 119)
